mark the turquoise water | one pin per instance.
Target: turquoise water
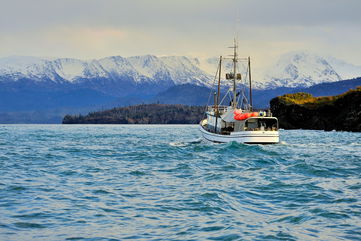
(125, 182)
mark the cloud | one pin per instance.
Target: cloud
(98, 28)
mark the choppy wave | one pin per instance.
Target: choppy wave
(123, 182)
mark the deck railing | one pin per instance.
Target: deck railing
(221, 109)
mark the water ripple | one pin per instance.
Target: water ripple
(120, 182)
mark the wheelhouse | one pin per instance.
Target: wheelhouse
(257, 124)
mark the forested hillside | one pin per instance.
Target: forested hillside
(304, 111)
(141, 114)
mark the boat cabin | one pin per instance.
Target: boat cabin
(257, 124)
(218, 125)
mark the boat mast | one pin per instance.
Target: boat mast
(234, 103)
(219, 83)
(219, 92)
(250, 84)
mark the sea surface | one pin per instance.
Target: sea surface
(163, 182)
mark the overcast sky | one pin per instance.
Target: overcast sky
(98, 28)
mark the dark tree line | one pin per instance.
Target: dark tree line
(141, 114)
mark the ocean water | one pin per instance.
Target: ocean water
(160, 182)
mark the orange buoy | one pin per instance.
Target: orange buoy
(238, 115)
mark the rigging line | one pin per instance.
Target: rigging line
(210, 93)
(241, 89)
(239, 98)
(224, 97)
(245, 86)
(229, 95)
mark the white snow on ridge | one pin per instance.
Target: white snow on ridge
(183, 71)
(295, 69)
(117, 66)
(345, 70)
(298, 69)
(20, 67)
(69, 69)
(149, 68)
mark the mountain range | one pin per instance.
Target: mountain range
(45, 85)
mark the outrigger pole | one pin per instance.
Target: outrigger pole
(250, 84)
(218, 93)
(219, 82)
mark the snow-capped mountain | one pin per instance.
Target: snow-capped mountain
(182, 69)
(344, 69)
(30, 84)
(172, 70)
(294, 69)
(298, 69)
(113, 74)
(151, 67)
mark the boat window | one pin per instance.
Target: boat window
(261, 124)
(251, 125)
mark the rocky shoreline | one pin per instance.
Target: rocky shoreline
(303, 111)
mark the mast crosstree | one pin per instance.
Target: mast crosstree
(234, 76)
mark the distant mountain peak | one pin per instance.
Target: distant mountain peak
(293, 69)
(299, 69)
(148, 68)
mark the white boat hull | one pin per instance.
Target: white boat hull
(247, 137)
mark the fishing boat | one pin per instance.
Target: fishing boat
(238, 121)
